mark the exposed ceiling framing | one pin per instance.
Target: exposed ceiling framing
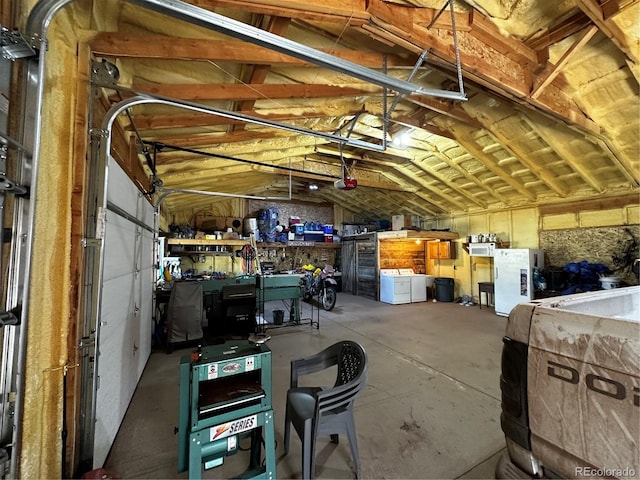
(551, 116)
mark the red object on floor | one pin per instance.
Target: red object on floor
(101, 474)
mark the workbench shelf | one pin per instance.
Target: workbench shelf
(195, 246)
(197, 241)
(299, 244)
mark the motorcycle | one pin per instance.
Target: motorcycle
(320, 282)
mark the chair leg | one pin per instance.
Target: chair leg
(353, 443)
(287, 430)
(308, 451)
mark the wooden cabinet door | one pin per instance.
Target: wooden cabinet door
(434, 250)
(442, 250)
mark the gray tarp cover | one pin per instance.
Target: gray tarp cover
(184, 316)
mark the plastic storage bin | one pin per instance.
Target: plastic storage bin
(444, 289)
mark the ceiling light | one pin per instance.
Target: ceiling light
(313, 186)
(402, 139)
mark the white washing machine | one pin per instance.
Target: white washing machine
(394, 288)
(418, 284)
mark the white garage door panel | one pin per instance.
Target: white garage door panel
(125, 332)
(114, 392)
(147, 276)
(121, 190)
(120, 244)
(114, 317)
(147, 215)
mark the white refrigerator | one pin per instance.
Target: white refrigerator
(513, 276)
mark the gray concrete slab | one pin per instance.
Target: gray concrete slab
(431, 408)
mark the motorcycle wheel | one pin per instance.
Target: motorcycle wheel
(328, 298)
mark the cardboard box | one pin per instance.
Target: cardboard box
(398, 222)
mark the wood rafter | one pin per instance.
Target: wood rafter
(597, 15)
(570, 26)
(552, 71)
(538, 170)
(244, 92)
(432, 175)
(172, 48)
(464, 134)
(161, 121)
(277, 26)
(448, 183)
(562, 149)
(472, 178)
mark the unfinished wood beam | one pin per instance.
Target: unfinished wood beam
(464, 134)
(493, 71)
(471, 178)
(595, 12)
(604, 203)
(277, 26)
(260, 91)
(443, 107)
(326, 10)
(610, 8)
(552, 71)
(549, 134)
(449, 183)
(570, 26)
(537, 169)
(410, 178)
(162, 121)
(113, 44)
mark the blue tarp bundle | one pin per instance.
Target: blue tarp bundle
(584, 276)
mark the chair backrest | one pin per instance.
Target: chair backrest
(351, 360)
(351, 379)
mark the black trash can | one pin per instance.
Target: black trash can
(556, 279)
(278, 317)
(444, 289)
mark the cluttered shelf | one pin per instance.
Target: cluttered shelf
(193, 245)
(197, 241)
(299, 243)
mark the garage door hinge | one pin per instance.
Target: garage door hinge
(99, 132)
(13, 45)
(101, 219)
(91, 242)
(87, 342)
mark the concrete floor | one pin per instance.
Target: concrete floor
(431, 408)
